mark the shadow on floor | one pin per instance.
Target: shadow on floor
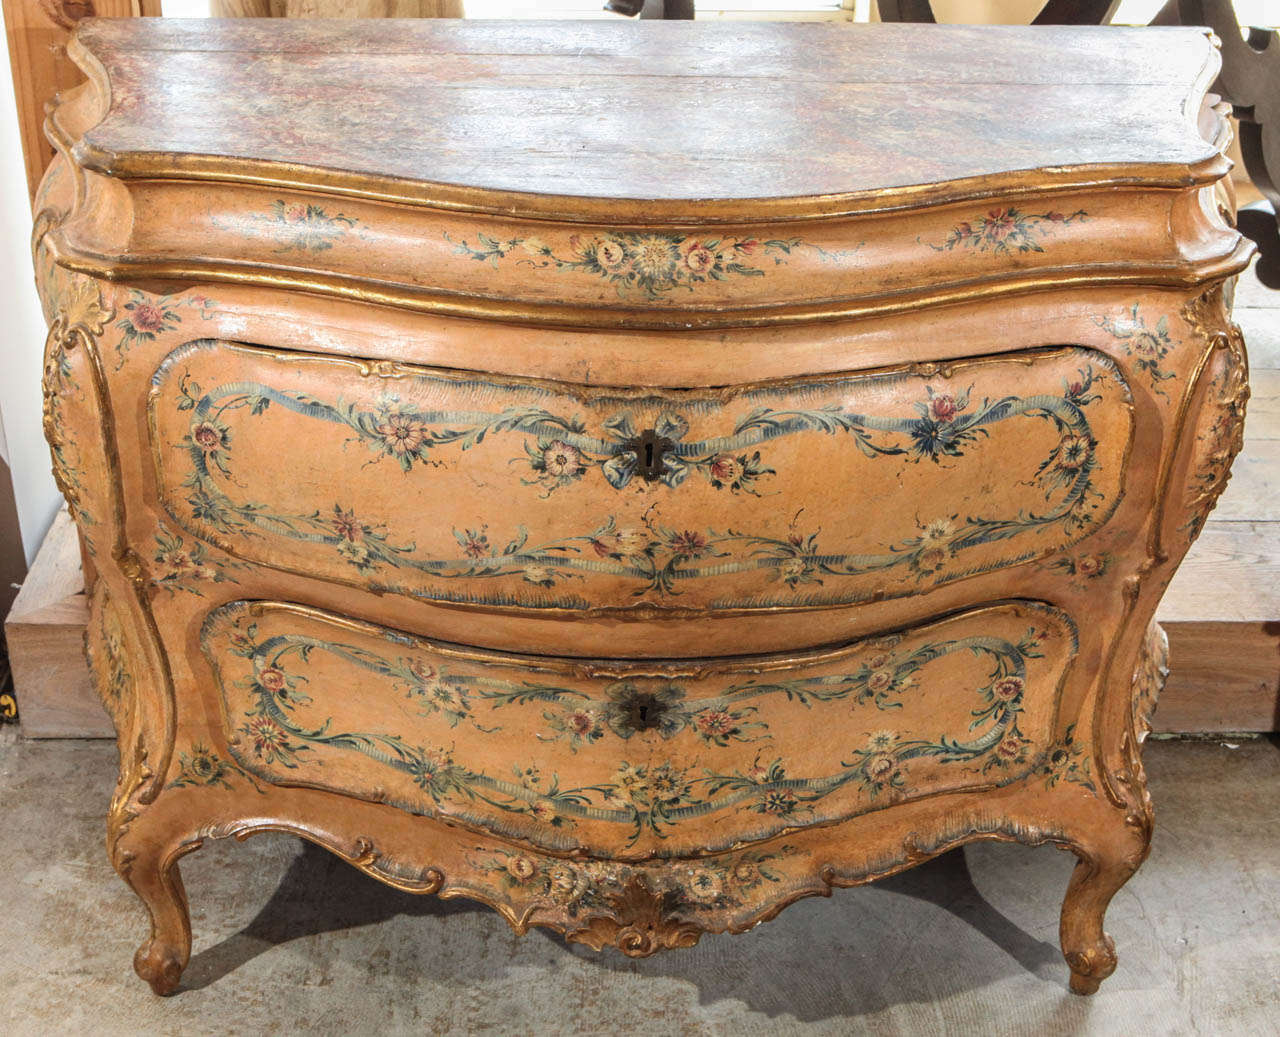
(851, 954)
(319, 893)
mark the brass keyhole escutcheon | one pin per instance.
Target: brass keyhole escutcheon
(649, 448)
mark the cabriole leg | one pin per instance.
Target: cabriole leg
(1098, 875)
(152, 872)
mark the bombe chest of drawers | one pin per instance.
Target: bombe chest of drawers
(635, 476)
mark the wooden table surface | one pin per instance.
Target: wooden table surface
(664, 111)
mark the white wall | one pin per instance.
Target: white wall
(22, 332)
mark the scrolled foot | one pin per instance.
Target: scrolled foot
(151, 868)
(160, 965)
(1090, 967)
(1089, 951)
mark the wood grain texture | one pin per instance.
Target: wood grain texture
(1253, 495)
(1233, 575)
(1263, 422)
(336, 8)
(799, 234)
(37, 35)
(45, 633)
(1223, 677)
(641, 558)
(651, 110)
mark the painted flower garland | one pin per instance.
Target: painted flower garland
(660, 558)
(646, 796)
(649, 264)
(1007, 229)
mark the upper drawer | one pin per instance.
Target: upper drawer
(508, 493)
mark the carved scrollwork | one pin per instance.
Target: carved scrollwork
(1220, 431)
(55, 379)
(408, 877)
(639, 923)
(1091, 966)
(110, 664)
(1148, 680)
(1139, 816)
(81, 317)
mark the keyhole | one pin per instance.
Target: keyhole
(649, 448)
(645, 713)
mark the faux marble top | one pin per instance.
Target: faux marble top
(648, 110)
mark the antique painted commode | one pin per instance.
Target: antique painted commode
(635, 476)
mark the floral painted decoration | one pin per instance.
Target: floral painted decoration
(1082, 566)
(1006, 230)
(646, 796)
(646, 263)
(560, 450)
(1147, 346)
(114, 678)
(201, 766)
(1067, 761)
(658, 557)
(302, 227)
(182, 568)
(145, 317)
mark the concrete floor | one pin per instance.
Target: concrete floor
(289, 939)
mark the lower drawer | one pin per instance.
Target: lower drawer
(632, 760)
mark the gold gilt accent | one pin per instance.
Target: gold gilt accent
(533, 812)
(80, 319)
(1149, 679)
(640, 922)
(1222, 425)
(454, 304)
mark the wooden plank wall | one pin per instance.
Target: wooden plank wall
(45, 633)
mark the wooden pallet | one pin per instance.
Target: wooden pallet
(45, 632)
(1222, 612)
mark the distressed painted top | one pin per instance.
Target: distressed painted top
(647, 111)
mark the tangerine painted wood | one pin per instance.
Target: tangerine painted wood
(634, 553)
(571, 449)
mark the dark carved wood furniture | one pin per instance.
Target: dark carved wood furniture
(635, 476)
(1250, 80)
